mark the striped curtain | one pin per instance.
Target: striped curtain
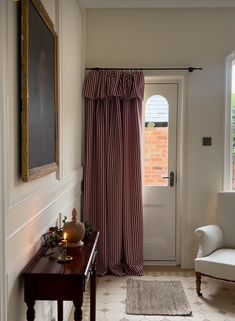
(112, 191)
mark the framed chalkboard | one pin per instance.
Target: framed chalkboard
(39, 91)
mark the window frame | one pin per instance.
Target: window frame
(228, 130)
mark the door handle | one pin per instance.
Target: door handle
(171, 178)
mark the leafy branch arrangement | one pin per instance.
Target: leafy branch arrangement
(53, 237)
(88, 230)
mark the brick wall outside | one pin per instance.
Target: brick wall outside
(155, 156)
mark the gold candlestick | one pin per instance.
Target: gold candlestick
(64, 258)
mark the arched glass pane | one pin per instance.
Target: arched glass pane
(156, 141)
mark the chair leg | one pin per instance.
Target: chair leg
(198, 283)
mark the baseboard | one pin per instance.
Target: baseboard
(162, 263)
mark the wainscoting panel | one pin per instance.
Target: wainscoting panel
(45, 211)
(23, 243)
(33, 206)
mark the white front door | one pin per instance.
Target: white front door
(159, 191)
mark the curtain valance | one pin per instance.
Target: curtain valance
(101, 84)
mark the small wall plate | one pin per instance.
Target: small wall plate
(206, 141)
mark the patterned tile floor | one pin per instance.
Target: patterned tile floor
(217, 303)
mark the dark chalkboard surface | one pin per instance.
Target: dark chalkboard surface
(39, 92)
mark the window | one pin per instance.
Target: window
(156, 141)
(233, 124)
(229, 160)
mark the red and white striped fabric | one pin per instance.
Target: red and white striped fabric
(113, 193)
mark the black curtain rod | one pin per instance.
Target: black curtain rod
(189, 69)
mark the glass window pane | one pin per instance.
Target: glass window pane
(233, 126)
(156, 141)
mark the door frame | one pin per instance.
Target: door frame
(3, 156)
(181, 80)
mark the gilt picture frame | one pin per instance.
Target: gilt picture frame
(39, 91)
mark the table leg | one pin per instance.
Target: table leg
(30, 314)
(93, 293)
(78, 309)
(60, 310)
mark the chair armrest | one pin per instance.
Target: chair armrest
(210, 239)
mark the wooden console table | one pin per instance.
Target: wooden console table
(46, 279)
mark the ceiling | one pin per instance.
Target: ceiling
(158, 3)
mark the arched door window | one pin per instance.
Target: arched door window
(156, 141)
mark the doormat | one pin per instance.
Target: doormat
(156, 298)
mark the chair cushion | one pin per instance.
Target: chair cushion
(220, 264)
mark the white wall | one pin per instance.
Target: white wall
(33, 206)
(177, 37)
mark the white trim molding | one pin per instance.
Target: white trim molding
(227, 176)
(158, 3)
(181, 79)
(82, 7)
(3, 171)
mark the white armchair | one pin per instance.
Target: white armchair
(216, 253)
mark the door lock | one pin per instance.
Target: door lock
(171, 178)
